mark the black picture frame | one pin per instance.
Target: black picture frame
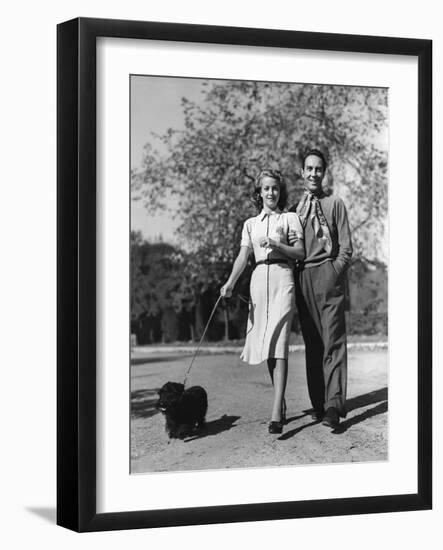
(76, 279)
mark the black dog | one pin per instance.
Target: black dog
(183, 409)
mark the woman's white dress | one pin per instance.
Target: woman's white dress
(272, 288)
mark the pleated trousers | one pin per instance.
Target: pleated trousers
(321, 306)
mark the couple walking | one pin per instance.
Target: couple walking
(314, 234)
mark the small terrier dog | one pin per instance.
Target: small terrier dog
(183, 409)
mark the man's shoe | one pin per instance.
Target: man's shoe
(331, 418)
(317, 414)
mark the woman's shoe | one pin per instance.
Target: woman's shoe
(275, 427)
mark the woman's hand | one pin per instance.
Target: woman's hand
(267, 242)
(226, 290)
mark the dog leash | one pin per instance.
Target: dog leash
(204, 333)
(201, 339)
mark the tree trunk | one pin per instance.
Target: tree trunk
(226, 319)
(198, 325)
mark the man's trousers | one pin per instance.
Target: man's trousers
(320, 302)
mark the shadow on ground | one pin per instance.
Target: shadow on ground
(377, 396)
(215, 427)
(346, 424)
(143, 403)
(367, 399)
(295, 431)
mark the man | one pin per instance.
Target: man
(320, 292)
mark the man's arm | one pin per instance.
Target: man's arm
(344, 255)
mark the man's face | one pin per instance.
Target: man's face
(313, 173)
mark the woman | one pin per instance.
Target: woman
(272, 284)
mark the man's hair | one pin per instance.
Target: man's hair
(278, 177)
(315, 153)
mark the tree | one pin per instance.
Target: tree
(157, 284)
(241, 127)
(139, 283)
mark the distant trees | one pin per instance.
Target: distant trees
(164, 309)
(368, 293)
(158, 289)
(166, 300)
(241, 127)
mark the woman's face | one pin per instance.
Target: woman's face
(270, 192)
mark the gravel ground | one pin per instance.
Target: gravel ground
(240, 399)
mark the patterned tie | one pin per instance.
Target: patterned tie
(310, 206)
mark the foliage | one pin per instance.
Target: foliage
(157, 284)
(207, 170)
(162, 303)
(241, 127)
(139, 284)
(368, 287)
(367, 324)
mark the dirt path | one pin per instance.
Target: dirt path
(240, 398)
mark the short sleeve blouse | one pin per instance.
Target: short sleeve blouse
(275, 225)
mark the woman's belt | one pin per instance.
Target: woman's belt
(269, 262)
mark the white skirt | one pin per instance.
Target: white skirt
(271, 310)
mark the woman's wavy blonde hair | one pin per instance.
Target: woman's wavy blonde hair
(277, 176)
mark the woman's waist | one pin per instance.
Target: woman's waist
(273, 256)
(276, 263)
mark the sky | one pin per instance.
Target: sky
(155, 107)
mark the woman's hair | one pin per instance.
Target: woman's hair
(315, 153)
(278, 177)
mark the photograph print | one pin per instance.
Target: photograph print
(259, 274)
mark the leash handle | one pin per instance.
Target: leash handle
(201, 339)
